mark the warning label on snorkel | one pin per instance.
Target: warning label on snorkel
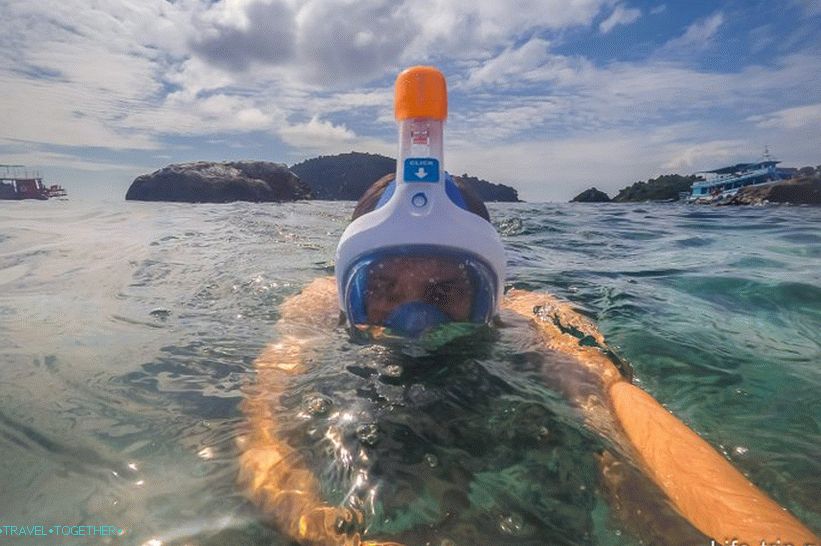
(421, 169)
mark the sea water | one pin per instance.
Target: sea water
(128, 333)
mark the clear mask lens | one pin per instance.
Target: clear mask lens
(412, 295)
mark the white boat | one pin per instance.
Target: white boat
(724, 182)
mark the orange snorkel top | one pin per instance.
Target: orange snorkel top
(421, 92)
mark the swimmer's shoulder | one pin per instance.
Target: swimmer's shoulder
(316, 305)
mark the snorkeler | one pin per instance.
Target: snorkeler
(421, 265)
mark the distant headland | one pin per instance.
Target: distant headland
(343, 177)
(346, 177)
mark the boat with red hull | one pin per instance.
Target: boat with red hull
(17, 183)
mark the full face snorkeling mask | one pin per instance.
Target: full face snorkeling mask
(420, 261)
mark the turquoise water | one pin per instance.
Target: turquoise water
(127, 331)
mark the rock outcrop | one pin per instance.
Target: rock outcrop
(211, 182)
(804, 190)
(593, 195)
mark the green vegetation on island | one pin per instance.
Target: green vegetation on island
(666, 187)
(488, 191)
(347, 176)
(343, 177)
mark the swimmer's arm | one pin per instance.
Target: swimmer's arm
(705, 488)
(315, 307)
(272, 473)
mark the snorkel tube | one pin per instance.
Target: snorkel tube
(421, 213)
(421, 108)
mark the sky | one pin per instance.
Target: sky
(550, 97)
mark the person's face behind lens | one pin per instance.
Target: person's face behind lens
(399, 280)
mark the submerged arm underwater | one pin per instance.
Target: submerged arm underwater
(702, 486)
(272, 473)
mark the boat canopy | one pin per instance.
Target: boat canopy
(741, 167)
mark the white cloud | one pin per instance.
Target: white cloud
(70, 74)
(131, 49)
(347, 43)
(316, 134)
(687, 157)
(790, 118)
(577, 96)
(473, 28)
(620, 16)
(36, 158)
(342, 43)
(323, 137)
(128, 75)
(661, 8)
(235, 33)
(512, 120)
(181, 113)
(346, 101)
(811, 8)
(64, 113)
(511, 64)
(698, 35)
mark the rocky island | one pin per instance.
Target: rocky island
(211, 182)
(802, 190)
(593, 195)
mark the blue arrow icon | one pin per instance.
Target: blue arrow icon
(421, 169)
